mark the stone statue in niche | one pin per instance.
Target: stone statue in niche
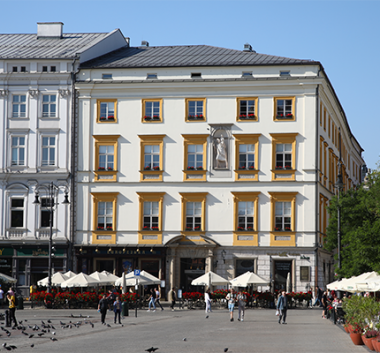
(220, 153)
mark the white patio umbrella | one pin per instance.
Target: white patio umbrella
(144, 278)
(209, 279)
(80, 280)
(70, 274)
(7, 279)
(56, 280)
(370, 285)
(102, 278)
(248, 278)
(334, 285)
(350, 285)
(288, 287)
(110, 276)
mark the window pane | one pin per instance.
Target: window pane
(279, 147)
(17, 203)
(191, 148)
(17, 219)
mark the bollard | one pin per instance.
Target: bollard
(124, 309)
(20, 305)
(7, 319)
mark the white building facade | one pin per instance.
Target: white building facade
(36, 90)
(196, 158)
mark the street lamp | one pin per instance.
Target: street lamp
(51, 191)
(339, 185)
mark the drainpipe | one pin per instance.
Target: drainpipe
(316, 183)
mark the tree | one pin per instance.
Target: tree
(360, 228)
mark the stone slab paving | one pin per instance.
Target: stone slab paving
(305, 332)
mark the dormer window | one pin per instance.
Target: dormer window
(247, 74)
(23, 69)
(107, 76)
(284, 73)
(14, 69)
(44, 68)
(52, 68)
(196, 75)
(151, 76)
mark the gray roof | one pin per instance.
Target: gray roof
(187, 55)
(27, 46)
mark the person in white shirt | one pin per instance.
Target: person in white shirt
(158, 297)
(208, 301)
(231, 298)
(241, 298)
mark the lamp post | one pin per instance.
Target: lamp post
(339, 184)
(51, 191)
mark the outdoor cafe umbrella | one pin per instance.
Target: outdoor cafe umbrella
(248, 278)
(110, 276)
(70, 274)
(288, 289)
(350, 284)
(369, 285)
(56, 280)
(145, 278)
(80, 280)
(209, 279)
(103, 279)
(7, 279)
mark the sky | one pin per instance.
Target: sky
(343, 35)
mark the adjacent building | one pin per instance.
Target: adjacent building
(197, 158)
(36, 95)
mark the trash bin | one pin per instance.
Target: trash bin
(20, 305)
(7, 319)
(124, 309)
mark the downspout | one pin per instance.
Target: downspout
(316, 183)
(70, 254)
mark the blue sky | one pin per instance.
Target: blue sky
(343, 35)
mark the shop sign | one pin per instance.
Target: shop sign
(39, 252)
(127, 252)
(6, 252)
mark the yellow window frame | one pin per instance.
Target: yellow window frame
(187, 101)
(290, 174)
(143, 101)
(193, 197)
(150, 236)
(193, 139)
(283, 197)
(293, 117)
(244, 139)
(146, 140)
(106, 100)
(238, 118)
(98, 236)
(106, 140)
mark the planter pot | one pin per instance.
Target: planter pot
(350, 328)
(376, 345)
(356, 338)
(369, 343)
(346, 329)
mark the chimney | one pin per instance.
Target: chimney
(49, 29)
(248, 48)
(144, 43)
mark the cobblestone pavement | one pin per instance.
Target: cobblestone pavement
(305, 332)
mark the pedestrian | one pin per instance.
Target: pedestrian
(158, 297)
(102, 308)
(241, 299)
(111, 297)
(231, 299)
(324, 304)
(208, 301)
(1, 297)
(12, 308)
(152, 300)
(282, 307)
(318, 296)
(172, 298)
(117, 309)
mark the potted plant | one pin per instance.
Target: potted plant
(241, 228)
(278, 166)
(101, 168)
(251, 167)
(109, 227)
(191, 117)
(190, 168)
(102, 118)
(147, 118)
(199, 117)
(200, 168)
(111, 117)
(100, 228)
(242, 167)
(156, 117)
(369, 337)
(109, 168)
(146, 228)
(251, 116)
(156, 167)
(189, 228)
(242, 116)
(147, 167)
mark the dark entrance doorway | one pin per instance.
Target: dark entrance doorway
(281, 271)
(190, 270)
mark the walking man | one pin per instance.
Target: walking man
(102, 308)
(152, 300)
(208, 301)
(117, 309)
(158, 297)
(241, 298)
(231, 299)
(12, 308)
(172, 298)
(318, 296)
(282, 307)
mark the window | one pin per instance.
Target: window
(196, 75)
(195, 109)
(284, 108)
(14, 69)
(151, 216)
(17, 212)
(151, 76)
(193, 212)
(48, 150)
(106, 110)
(246, 158)
(284, 156)
(106, 157)
(104, 218)
(151, 164)
(44, 68)
(23, 68)
(52, 68)
(18, 150)
(150, 220)
(19, 106)
(195, 157)
(283, 206)
(106, 76)
(247, 108)
(46, 203)
(152, 110)
(246, 218)
(247, 74)
(284, 73)
(49, 105)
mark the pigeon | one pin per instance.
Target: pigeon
(32, 345)
(49, 321)
(9, 334)
(8, 348)
(4, 344)
(72, 315)
(40, 334)
(225, 349)
(42, 323)
(108, 325)
(185, 339)
(26, 320)
(53, 333)
(44, 331)
(31, 336)
(52, 327)
(25, 333)
(13, 347)
(63, 324)
(53, 339)
(152, 349)
(207, 317)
